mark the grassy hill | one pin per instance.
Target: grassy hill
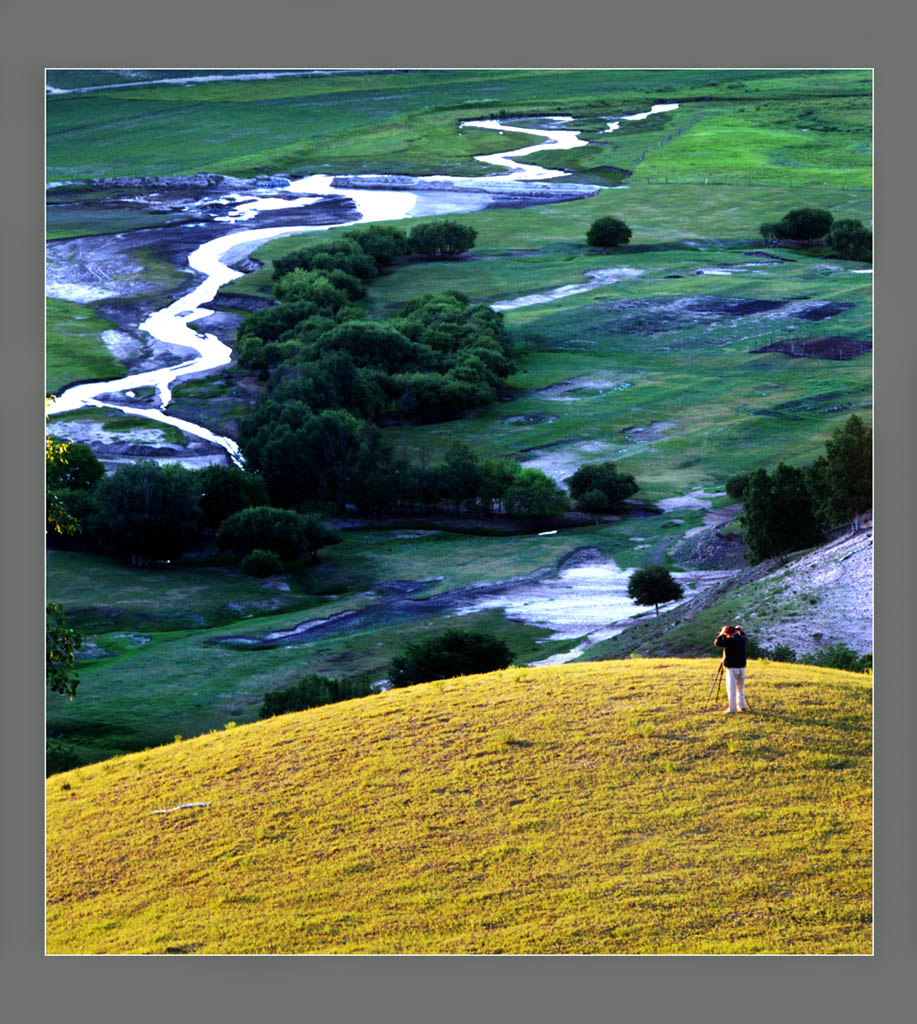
(586, 808)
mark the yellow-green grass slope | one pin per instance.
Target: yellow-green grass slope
(587, 808)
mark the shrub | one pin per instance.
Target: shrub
(226, 489)
(839, 656)
(312, 691)
(455, 652)
(261, 563)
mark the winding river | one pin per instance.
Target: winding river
(172, 325)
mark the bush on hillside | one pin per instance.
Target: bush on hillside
(453, 653)
(311, 692)
(805, 224)
(839, 656)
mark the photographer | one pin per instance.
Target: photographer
(732, 640)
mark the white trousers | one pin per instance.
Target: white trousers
(735, 688)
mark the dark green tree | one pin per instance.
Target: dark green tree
(806, 224)
(441, 239)
(226, 489)
(77, 470)
(851, 240)
(147, 512)
(384, 243)
(840, 482)
(736, 484)
(654, 585)
(608, 233)
(62, 642)
(604, 477)
(778, 513)
(453, 653)
(291, 535)
(533, 493)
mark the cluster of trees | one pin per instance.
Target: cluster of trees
(333, 374)
(152, 514)
(848, 238)
(791, 508)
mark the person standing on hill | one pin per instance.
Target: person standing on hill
(732, 640)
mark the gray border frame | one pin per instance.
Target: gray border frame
(477, 33)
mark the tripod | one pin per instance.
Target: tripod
(717, 680)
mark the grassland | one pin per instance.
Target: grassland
(397, 122)
(580, 809)
(74, 349)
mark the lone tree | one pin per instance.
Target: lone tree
(453, 653)
(608, 232)
(654, 585)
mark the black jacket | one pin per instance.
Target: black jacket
(733, 650)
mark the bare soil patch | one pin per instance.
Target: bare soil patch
(835, 347)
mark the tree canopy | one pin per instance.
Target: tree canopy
(147, 512)
(654, 585)
(607, 233)
(62, 642)
(778, 513)
(851, 240)
(290, 535)
(453, 653)
(604, 478)
(444, 239)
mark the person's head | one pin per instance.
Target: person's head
(728, 630)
